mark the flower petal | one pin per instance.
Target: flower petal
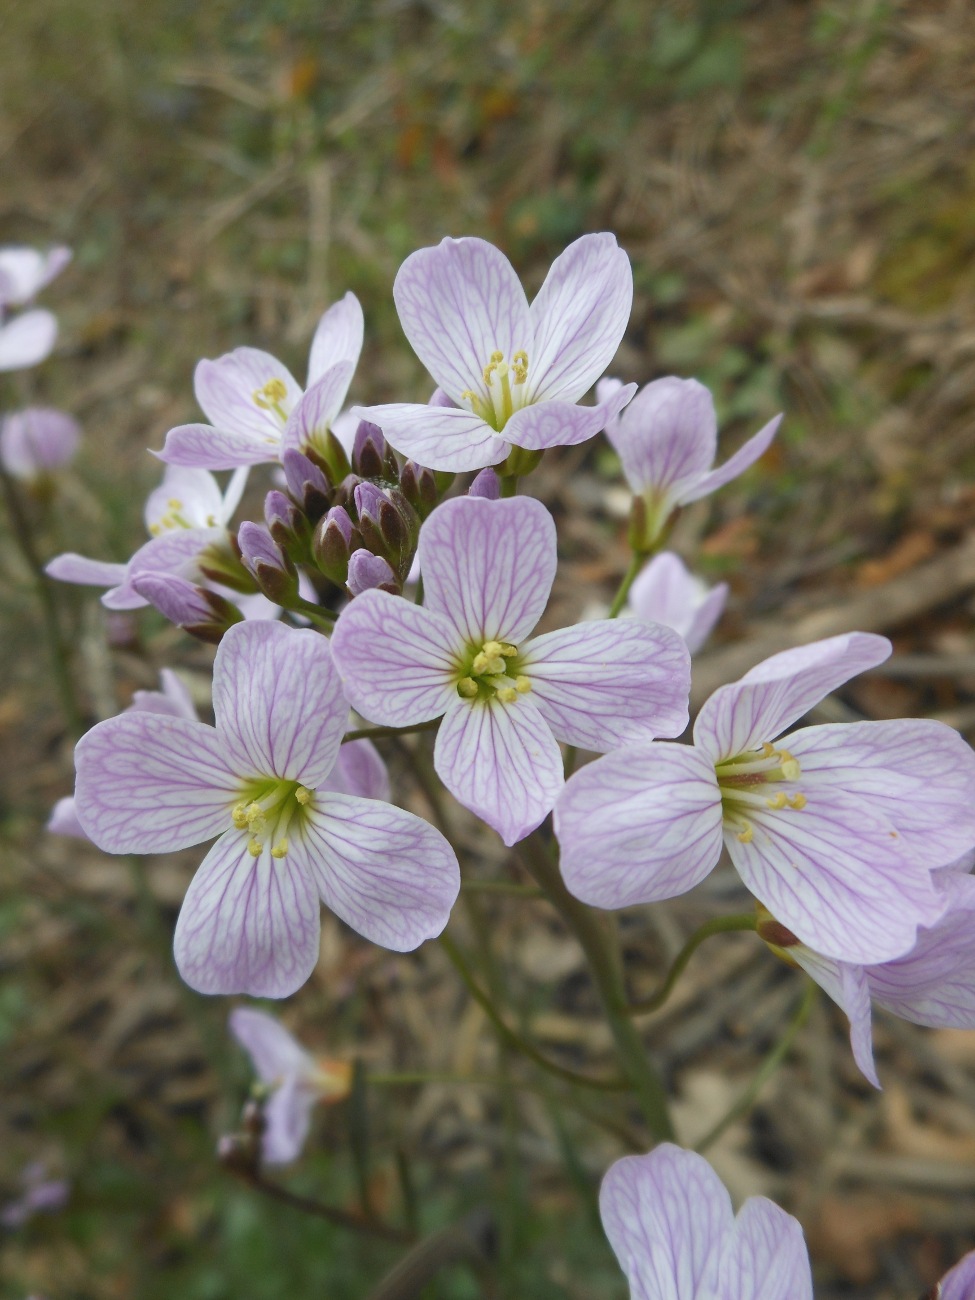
(562, 424)
(778, 691)
(148, 783)
(488, 566)
(278, 702)
(667, 436)
(440, 437)
(847, 985)
(71, 567)
(959, 1282)
(359, 771)
(225, 390)
(838, 876)
(768, 1259)
(735, 465)
(64, 819)
(25, 271)
(579, 316)
(287, 1119)
(608, 683)
(192, 494)
(641, 824)
(273, 1051)
(666, 592)
(920, 773)
(398, 660)
(37, 441)
(248, 925)
(312, 416)
(202, 446)
(669, 1220)
(388, 874)
(458, 303)
(501, 761)
(338, 337)
(27, 339)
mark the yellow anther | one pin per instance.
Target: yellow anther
(522, 685)
(493, 648)
(239, 815)
(520, 358)
(798, 801)
(489, 372)
(468, 395)
(507, 694)
(302, 795)
(255, 847)
(155, 529)
(495, 357)
(779, 801)
(509, 651)
(486, 664)
(767, 749)
(467, 688)
(790, 769)
(747, 834)
(267, 397)
(280, 849)
(174, 503)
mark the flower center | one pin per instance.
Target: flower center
(270, 396)
(175, 518)
(505, 384)
(741, 780)
(491, 670)
(266, 809)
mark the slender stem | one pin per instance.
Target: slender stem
(607, 975)
(719, 925)
(372, 733)
(319, 614)
(515, 1040)
(60, 659)
(509, 485)
(331, 1213)
(471, 1240)
(619, 600)
(764, 1072)
(500, 887)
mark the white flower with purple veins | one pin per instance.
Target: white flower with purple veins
(667, 439)
(28, 338)
(264, 781)
(671, 1224)
(36, 442)
(666, 592)
(514, 372)
(933, 984)
(507, 698)
(295, 1078)
(835, 829)
(186, 516)
(257, 408)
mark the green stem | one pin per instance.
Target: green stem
(607, 975)
(509, 485)
(515, 1040)
(765, 1071)
(418, 598)
(331, 1213)
(619, 600)
(373, 733)
(319, 614)
(719, 925)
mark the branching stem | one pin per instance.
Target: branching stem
(719, 925)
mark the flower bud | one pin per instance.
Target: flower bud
(388, 523)
(204, 614)
(221, 563)
(334, 540)
(287, 525)
(372, 457)
(487, 485)
(308, 487)
(274, 572)
(329, 455)
(367, 571)
(419, 487)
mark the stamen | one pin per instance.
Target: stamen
(467, 688)
(302, 795)
(747, 834)
(239, 815)
(280, 849)
(255, 847)
(522, 685)
(507, 694)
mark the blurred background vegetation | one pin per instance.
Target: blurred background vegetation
(794, 181)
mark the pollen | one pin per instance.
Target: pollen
(467, 688)
(302, 795)
(239, 815)
(747, 834)
(522, 685)
(280, 849)
(507, 694)
(255, 847)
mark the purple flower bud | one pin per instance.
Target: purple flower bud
(203, 614)
(221, 563)
(388, 523)
(335, 538)
(274, 572)
(419, 486)
(370, 453)
(367, 571)
(37, 441)
(286, 524)
(368, 500)
(307, 485)
(486, 484)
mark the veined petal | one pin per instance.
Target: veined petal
(174, 699)
(27, 339)
(561, 423)
(248, 925)
(919, 773)
(225, 389)
(778, 691)
(278, 702)
(608, 683)
(273, 1051)
(934, 984)
(734, 465)
(488, 566)
(666, 592)
(192, 494)
(959, 1282)
(398, 660)
(440, 437)
(641, 824)
(287, 1119)
(767, 1258)
(667, 436)
(847, 985)
(838, 876)
(458, 303)
(501, 761)
(579, 317)
(312, 416)
(202, 446)
(388, 874)
(338, 337)
(359, 771)
(669, 1220)
(148, 783)
(71, 567)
